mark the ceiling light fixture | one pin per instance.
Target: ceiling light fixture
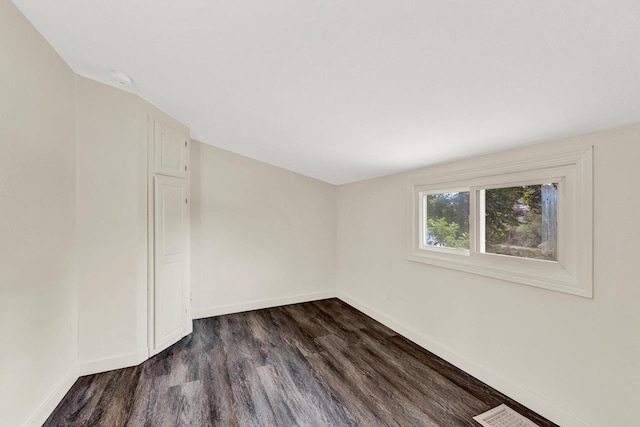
(122, 78)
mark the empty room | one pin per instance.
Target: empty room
(299, 213)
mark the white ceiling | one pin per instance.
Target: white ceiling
(343, 90)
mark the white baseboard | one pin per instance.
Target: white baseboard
(200, 313)
(111, 363)
(56, 396)
(493, 379)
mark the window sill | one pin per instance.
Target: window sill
(539, 273)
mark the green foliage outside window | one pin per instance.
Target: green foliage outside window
(447, 234)
(515, 223)
(448, 220)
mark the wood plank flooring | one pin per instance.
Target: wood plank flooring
(315, 364)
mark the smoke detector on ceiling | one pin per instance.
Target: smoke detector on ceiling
(122, 78)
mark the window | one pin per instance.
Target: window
(527, 221)
(520, 221)
(446, 220)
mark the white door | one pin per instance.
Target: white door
(171, 261)
(170, 151)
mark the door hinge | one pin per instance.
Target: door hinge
(185, 143)
(185, 168)
(185, 201)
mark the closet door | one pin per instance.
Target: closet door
(170, 151)
(171, 258)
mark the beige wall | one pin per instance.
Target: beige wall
(573, 359)
(261, 235)
(38, 314)
(108, 225)
(112, 225)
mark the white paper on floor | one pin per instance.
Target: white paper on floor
(503, 416)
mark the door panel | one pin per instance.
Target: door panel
(172, 201)
(168, 308)
(171, 260)
(170, 151)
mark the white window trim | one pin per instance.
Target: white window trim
(573, 171)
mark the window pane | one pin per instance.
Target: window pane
(447, 220)
(522, 221)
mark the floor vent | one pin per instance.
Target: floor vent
(503, 416)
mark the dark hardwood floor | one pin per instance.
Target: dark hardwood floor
(314, 364)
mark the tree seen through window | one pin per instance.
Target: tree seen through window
(519, 221)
